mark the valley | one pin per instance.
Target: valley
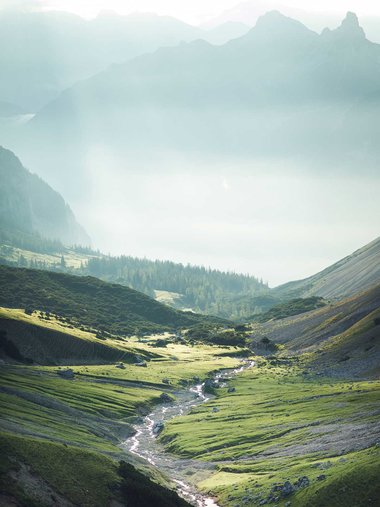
(189, 254)
(296, 422)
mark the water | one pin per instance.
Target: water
(144, 442)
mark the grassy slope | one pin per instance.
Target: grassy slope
(289, 308)
(89, 301)
(72, 258)
(35, 473)
(79, 423)
(55, 341)
(355, 352)
(280, 426)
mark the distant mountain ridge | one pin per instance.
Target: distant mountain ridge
(286, 91)
(53, 50)
(29, 205)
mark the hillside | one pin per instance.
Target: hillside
(89, 301)
(45, 339)
(30, 210)
(226, 294)
(354, 273)
(343, 337)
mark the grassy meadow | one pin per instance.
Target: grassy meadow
(280, 425)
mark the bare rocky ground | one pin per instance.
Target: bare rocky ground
(336, 439)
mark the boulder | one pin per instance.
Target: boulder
(302, 482)
(231, 390)
(158, 427)
(165, 398)
(142, 364)
(287, 489)
(211, 384)
(67, 374)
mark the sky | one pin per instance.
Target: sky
(197, 11)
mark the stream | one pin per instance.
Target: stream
(144, 442)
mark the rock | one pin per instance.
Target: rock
(160, 343)
(288, 504)
(67, 374)
(287, 489)
(215, 409)
(302, 482)
(211, 384)
(321, 477)
(165, 398)
(142, 364)
(121, 366)
(158, 427)
(165, 381)
(231, 390)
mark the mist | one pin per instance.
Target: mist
(256, 218)
(257, 156)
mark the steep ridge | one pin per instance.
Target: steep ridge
(354, 273)
(29, 205)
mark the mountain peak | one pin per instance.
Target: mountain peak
(350, 27)
(275, 25)
(274, 17)
(351, 20)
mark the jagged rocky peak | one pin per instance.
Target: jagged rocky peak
(350, 26)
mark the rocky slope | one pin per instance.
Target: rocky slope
(354, 273)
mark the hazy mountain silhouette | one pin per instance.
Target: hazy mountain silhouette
(29, 205)
(280, 90)
(42, 53)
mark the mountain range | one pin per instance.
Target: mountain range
(280, 92)
(53, 50)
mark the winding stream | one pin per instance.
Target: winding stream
(145, 444)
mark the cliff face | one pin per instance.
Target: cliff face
(28, 204)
